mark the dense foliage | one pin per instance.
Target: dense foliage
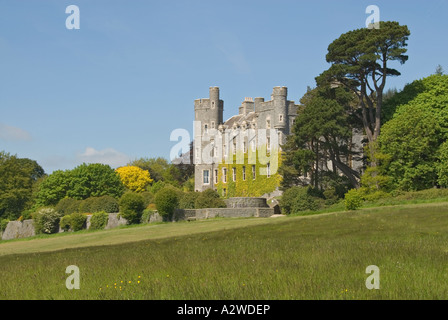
(131, 207)
(82, 182)
(297, 199)
(166, 200)
(46, 220)
(134, 178)
(414, 140)
(209, 199)
(18, 178)
(98, 220)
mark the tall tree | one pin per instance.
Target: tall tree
(17, 179)
(361, 61)
(415, 138)
(322, 133)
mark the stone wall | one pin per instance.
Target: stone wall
(115, 221)
(19, 229)
(237, 208)
(246, 203)
(198, 214)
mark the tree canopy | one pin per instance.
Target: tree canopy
(361, 62)
(82, 182)
(414, 139)
(18, 176)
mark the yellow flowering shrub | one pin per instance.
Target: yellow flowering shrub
(134, 178)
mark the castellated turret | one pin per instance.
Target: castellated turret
(279, 95)
(209, 111)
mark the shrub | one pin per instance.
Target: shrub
(65, 223)
(68, 206)
(97, 204)
(148, 198)
(134, 178)
(3, 224)
(46, 220)
(107, 204)
(99, 220)
(77, 221)
(131, 207)
(88, 205)
(209, 199)
(353, 199)
(331, 196)
(166, 200)
(188, 199)
(297, 199)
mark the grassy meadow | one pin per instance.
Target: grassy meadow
(311, 257)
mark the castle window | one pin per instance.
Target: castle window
(216, 176)
(224, 175)
(268, 123)
(224, 192)
(206, 176)
(268, 143)
(280, 118)
(244, 147)
(244, 173)
(234, 145)
(213, 104)
(268, 169)
(213, 124)
(234, 174)
(253, 172)
(206, 128)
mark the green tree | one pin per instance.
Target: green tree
(322, 132)
(162, 170)
(131, 207)
(53, 188)
(82, 182)
(361, 62)
(18, 177)
(166, 200)
(413, 139)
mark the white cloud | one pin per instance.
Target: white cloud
(10, 133)
(108, 156)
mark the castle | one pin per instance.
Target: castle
(243, 148)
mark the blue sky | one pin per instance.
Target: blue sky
(115, 89)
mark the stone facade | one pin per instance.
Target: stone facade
(259, 123)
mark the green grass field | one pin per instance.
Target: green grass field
(313, 257)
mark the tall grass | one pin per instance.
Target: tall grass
(318, 257)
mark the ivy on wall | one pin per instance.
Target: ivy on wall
(248, 186)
